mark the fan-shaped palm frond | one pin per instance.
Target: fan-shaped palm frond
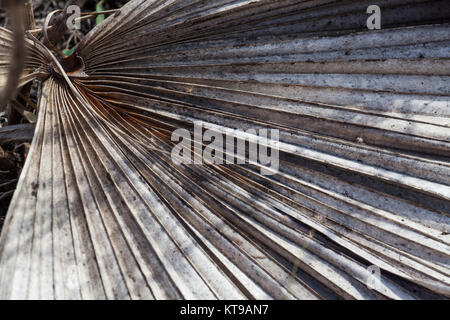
(101, 210)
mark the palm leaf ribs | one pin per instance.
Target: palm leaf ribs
(101, 211)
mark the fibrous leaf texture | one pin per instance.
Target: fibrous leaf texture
(101, 211)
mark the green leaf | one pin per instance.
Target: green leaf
(69, 52)
(99, 8)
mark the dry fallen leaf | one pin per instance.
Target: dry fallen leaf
(101, 211)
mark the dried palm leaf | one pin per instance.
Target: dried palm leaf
(101, 211)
